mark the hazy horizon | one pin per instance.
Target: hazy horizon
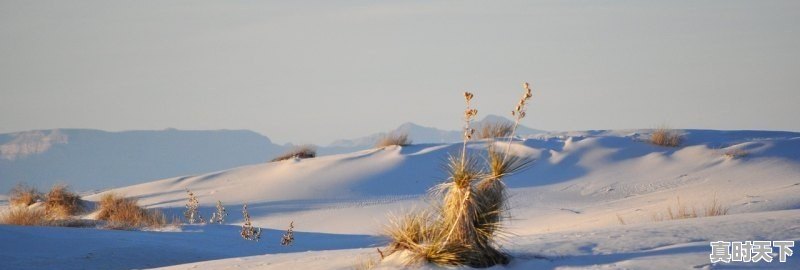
(314, 72)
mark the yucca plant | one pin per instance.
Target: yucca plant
(219, 216)
(463, 229)
(288, 238)
(248, 231)
(192, 213)
(491, 189)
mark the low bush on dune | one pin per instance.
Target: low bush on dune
(497, 129)
(58, 209)
(22, 195)
(23, 216)
(395, 138)
(735, 153)
(60, 203)
(125, 213)
(463, 226)
(666, 137)
(299, 152)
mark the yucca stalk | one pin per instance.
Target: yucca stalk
(518, 113)
(491, 188)
(469, 114)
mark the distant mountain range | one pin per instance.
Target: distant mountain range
(93, 159)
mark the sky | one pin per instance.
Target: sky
(317, 71)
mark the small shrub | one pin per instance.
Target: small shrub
(288, 238)
(248, 231)
(61, 203)
(666, 137)
(24, 216)
(735, 153)
(192, 214)
(22, 195)
(219, 216)
(498, 129)
(395, 138)
(300, 152)
(125, 213)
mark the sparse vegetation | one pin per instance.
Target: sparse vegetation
(735, 153)
(219, 216)
(192, 214)
(365, 263)
(61, 203)
(248, 231)
(394, 138)
(299, 152)
(22, 195)
(125, 213)
(620, 220)
(497, 129)
(665, 136)
(683, 212)
(24, 216)
(288, 238)
(462, 230)
(715, 208)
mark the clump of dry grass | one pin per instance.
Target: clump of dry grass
(735, 153)
(394, 138)
(715, 208)
(125, 213)
(24, 216)
(683, 212)
(22, 195)
(498, 129)
(365, 263)
(462, 230)
(666, 137)
(61, 203)
(300, 152)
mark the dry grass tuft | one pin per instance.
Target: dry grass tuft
(61, 203)
(735, 153)
(498, 129)
(300, 152)
(22, 195)
(715, 208)
(395, 138)
(365, 263)
(620, 220)
(666, 137)
(24, 216)
(683, 212)
(124, 214)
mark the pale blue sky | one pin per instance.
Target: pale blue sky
(315, 71)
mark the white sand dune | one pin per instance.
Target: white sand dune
(591, 199)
